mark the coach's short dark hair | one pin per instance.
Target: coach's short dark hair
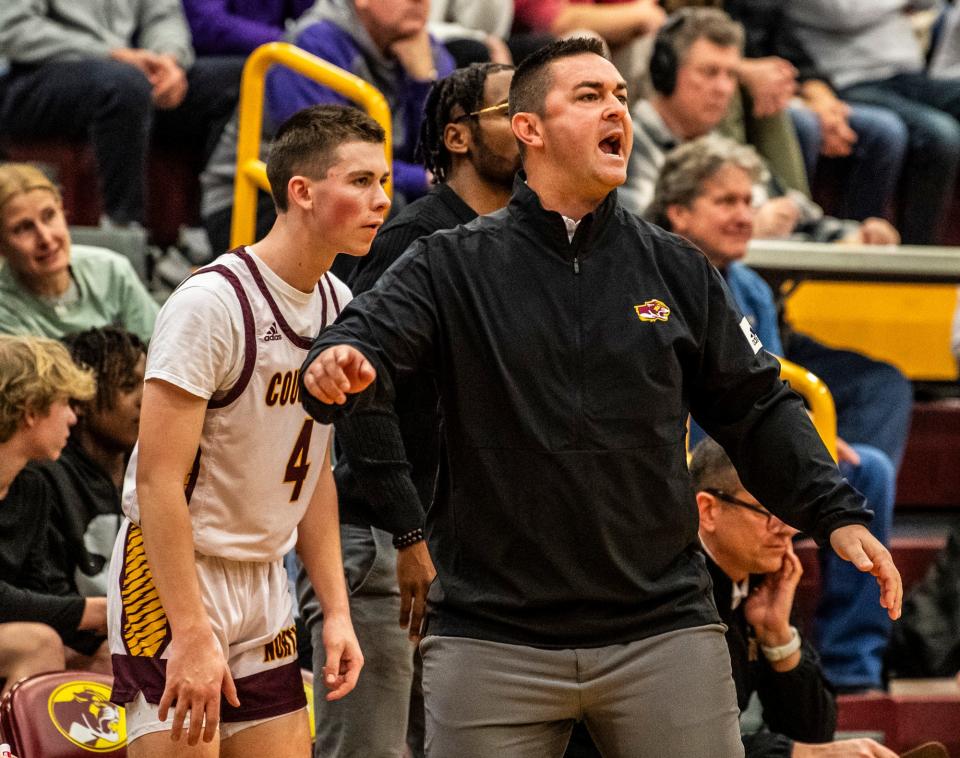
(307, 142)
(530, 84)
(463, 90)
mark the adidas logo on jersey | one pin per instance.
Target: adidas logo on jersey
(272, 334)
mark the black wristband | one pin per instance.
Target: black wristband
(408, 538)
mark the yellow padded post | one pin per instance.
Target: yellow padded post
(251, 171)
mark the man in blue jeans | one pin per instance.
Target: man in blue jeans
(704, 194)
(870, 50)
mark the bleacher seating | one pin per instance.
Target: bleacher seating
(173, 198)
(930, 476)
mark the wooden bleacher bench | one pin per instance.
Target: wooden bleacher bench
(173, 188)
(930, 476)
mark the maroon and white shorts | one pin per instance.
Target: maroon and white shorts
(251, 613)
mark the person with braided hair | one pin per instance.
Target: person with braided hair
(467, 145)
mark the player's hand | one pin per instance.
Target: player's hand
(415, 573)
(877, 231)
(768, 608)
(861, 748)
(197, 672)
(169, 83)
(776, 218)
(343, 660)
(854, 543)
(338, 370)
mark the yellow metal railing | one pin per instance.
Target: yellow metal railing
(812, 389)
(251, 171)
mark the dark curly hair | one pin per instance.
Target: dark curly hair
(111, 353)
(464, 89)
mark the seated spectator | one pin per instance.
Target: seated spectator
(47, 285)
(627, 27)
(704, 194)
(84, 484)
(238, 27)
(871, 140)
(755, 574)
(115, 72)
(384, 42)
(873, 57)
(695, 84)
(39, 631)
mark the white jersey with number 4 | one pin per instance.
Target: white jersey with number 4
(236, 334)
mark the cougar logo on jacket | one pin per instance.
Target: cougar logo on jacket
(653, 310)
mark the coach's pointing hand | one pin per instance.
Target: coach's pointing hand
(854, 543)
(337, 371)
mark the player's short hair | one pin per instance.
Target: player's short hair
(20, 178)
(689, 166)
(711, 468)
(306, 144)
(111, 353)
(532, 82)
(36, 372)
(462, 90)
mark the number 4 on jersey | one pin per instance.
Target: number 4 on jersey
(299, 464)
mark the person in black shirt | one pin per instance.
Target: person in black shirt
(755, 575)
(569, 340)
(467, 145)
(38, 382)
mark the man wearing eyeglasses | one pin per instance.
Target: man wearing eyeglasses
(755, 574)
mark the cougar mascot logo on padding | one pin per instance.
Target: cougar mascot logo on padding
(82, 712)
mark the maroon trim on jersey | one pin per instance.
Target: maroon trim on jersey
(333, 296)
(304, 343)
(192, 477)
(249, 338)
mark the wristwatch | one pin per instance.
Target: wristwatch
(780, 652)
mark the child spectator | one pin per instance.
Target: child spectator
(38, 630)
(84, 484)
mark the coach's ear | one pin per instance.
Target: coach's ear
(300, 192)
(528, 129)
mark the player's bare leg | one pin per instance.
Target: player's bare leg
(159, 745)
(284, 737)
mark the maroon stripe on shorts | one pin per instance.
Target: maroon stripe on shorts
(304, 343)
(270, 693)
(133, 674)
(274, 692)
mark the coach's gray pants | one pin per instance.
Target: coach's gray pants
(669, 695)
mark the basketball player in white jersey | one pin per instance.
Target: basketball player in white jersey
(230, 473)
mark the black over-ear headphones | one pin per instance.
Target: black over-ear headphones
(663, 59)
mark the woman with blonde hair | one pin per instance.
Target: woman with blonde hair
(49, 286)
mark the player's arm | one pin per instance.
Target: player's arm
(318, 545)
(171, 420)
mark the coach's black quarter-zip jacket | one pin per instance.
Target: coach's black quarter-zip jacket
(564, 515)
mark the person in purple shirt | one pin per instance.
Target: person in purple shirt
(237, 27)
(384, 42)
